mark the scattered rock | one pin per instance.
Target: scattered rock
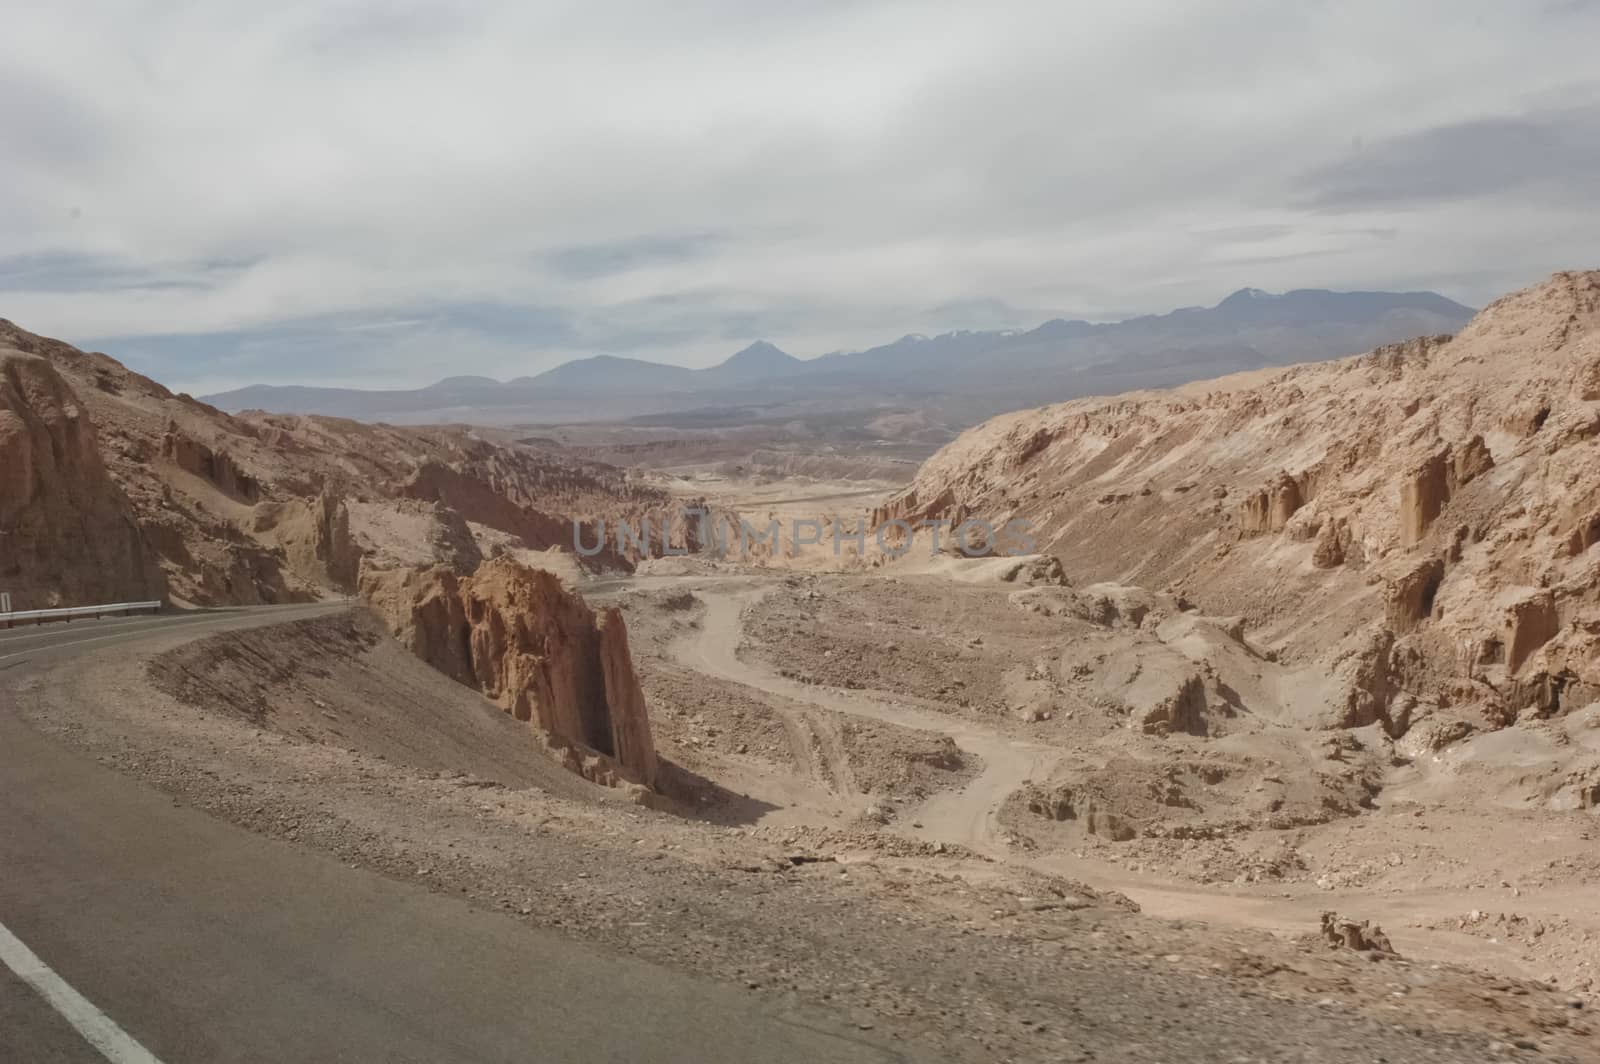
(1341, 933)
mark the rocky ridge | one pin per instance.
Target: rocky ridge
(258, 508)
(1414, 525)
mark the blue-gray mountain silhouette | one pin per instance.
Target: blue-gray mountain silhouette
(1060, 359)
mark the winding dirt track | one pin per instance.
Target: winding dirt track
(966, 816)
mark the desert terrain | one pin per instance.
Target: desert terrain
(1282, 742)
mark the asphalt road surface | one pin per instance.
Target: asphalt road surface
(137, 930)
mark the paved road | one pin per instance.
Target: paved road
(199, 941)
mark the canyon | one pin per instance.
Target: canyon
(1299, 652)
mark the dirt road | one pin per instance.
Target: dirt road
(965, 815)
(968, 815)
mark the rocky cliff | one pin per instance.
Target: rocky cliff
(532, 647)
(1418, 523)
(315, 538)
(67, 533)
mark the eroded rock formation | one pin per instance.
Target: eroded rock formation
(1423, 492)
(1270, 509)
(1408, 595)
(531, 646)
(315, 535)
(217, 467)
(1530, 622)
(1429, 485)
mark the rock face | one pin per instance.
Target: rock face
(1269, 509)
(1429, 486)
(1530, 623)
(1418, 523)
(315, 534)
(478, 498)
(1408, 597)
(217, 467)
(1423, 493)
(532, 647)
(67, 534)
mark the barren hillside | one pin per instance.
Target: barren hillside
(1407, 535)
(122, 488)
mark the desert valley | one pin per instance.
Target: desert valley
(1280, 742)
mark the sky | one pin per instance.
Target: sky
(381, 194)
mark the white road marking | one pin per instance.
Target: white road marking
(33, 633)
(98, 1029)
(140, 628)
(76, 642)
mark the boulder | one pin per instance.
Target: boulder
(1342, 933)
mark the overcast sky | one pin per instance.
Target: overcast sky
(385, 193)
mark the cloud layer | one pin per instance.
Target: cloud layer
(387, 193)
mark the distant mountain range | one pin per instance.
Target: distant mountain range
(991, 371)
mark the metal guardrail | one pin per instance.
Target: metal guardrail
(10, 620)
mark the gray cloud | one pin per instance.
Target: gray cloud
(598, 260)
(1547, 157)
(228, 192)
(66, 271)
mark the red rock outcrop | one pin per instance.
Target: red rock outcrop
(531, 646)
(67, 534)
